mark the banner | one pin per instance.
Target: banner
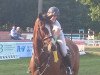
(24, 49)
(15, 50)
(7, 50)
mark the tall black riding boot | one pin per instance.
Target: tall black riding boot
(67, 63)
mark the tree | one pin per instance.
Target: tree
(73, 15)
(94, 8)
(19, 12)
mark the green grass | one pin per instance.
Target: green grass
(89, 65)
(14, 67)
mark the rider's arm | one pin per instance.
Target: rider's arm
(57, 29)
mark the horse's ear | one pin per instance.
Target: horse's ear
(42, 16)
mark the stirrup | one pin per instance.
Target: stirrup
(69, 71)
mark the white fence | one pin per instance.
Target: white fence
(82, 44)
(91, 43)
(95, 43)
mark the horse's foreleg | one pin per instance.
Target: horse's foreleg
(36, 72)
(32, 66)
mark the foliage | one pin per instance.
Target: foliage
(18, 12)
(73, 15)
(94, 8)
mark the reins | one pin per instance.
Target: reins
(47, 63)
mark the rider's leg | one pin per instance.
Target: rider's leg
(64, 51)
(67, 63)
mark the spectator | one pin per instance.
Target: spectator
(19, 32)
(13, 33)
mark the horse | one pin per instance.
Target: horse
(47, 59)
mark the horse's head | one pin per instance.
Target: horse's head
(46, 36)
(43, 33)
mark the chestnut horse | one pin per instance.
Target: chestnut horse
(44, 61)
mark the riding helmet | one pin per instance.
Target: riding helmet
(54, 10)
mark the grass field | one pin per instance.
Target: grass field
(14, 67)
(89, 65)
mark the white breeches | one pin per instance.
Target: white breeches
(62, 42)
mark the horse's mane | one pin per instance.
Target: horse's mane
(35, 37)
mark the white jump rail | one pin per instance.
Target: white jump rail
(81, 46)
(91, 43)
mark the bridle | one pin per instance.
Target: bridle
(46, 38)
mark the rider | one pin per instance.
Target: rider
(58, 35)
